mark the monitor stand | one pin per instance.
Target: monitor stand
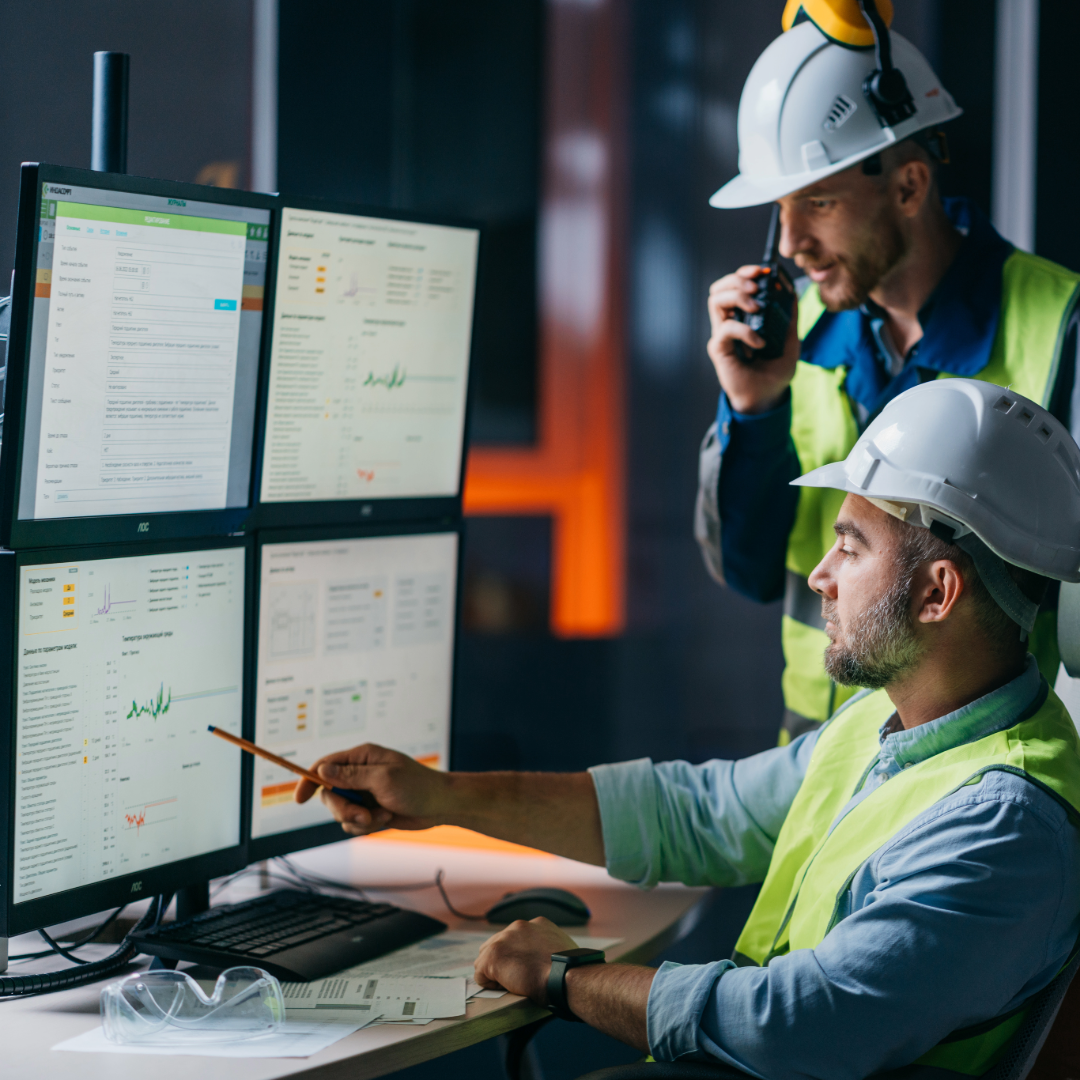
(193, 900)
(190, 901)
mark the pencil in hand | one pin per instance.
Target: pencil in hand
(361, 798)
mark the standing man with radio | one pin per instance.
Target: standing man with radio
(838, 125)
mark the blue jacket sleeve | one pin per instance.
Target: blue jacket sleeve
(757, 504)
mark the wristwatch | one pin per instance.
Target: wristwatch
(561, 963)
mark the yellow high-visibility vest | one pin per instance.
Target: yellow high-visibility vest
(814, 863)
(1037, 298)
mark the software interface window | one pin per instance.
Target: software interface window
(121, 665)
(144, 354)
(370, 356)
(355, 645)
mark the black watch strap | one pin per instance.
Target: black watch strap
(561, 963)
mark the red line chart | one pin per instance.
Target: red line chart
(151, 813)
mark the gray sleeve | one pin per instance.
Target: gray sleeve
(707, 507)
(1068, 364)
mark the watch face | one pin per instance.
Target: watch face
(570, 955)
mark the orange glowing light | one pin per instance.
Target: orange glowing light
(575, 473)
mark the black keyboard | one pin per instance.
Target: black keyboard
(294, 935)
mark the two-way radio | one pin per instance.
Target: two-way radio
(775, 296)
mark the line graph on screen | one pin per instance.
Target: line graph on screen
(142, 815)
(164, 700)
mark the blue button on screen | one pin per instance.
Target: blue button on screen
(224, 305)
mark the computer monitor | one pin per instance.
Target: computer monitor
(134, 358)
(367, 386)
(355, 644)
(113, 787)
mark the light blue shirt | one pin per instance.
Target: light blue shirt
(964, 914)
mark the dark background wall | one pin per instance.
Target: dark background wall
(190, 89)
(1057, 217)
(426, 106)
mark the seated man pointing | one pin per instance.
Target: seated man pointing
(920, 853)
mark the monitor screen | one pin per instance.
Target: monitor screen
(121, 663)
(355, 645)
(142, 355)
(369, 360)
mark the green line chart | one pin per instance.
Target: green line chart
(160, 704)
(154, 708)
(391, 381)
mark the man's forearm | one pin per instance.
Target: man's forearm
(556, 812)
(614, 998)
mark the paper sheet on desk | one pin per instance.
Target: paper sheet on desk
(451, 953)
(295, 1039)
(391, 997)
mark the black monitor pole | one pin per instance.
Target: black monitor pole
(109, 136)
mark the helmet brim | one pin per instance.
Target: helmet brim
(742, 190)
(834, 475)
(943, 501)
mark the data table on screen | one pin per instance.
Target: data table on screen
(144, 352)
(122, 663)
(369, 360)
(356, 641)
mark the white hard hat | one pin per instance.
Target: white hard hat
(970, 460)
(804, 114)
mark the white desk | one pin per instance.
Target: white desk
(647, 921)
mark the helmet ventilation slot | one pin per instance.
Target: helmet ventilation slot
(838, 114)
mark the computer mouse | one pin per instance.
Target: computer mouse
(561, 907)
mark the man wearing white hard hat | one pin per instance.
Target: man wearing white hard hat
(919, 854)
(901, 287)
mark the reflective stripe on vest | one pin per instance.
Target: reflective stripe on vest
(1037, 298)
(812, 868)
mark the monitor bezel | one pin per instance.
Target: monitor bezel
(116, 528)
(127, 888)
(291, 840)
(364, 512)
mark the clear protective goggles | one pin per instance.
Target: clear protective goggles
(171, 1007)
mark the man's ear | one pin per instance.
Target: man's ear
(936, 590)
(913, 181)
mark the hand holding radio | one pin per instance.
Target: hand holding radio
(754, 344)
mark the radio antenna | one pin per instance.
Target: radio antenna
(772, 240)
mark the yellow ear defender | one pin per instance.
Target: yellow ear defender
(840, 20)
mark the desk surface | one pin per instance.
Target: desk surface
(647, 921)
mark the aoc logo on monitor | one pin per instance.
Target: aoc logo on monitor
(136, 886)
(144, 526)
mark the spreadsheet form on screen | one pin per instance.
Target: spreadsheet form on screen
(147, 320)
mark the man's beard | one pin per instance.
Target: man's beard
(879, 247)
(879, 644)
